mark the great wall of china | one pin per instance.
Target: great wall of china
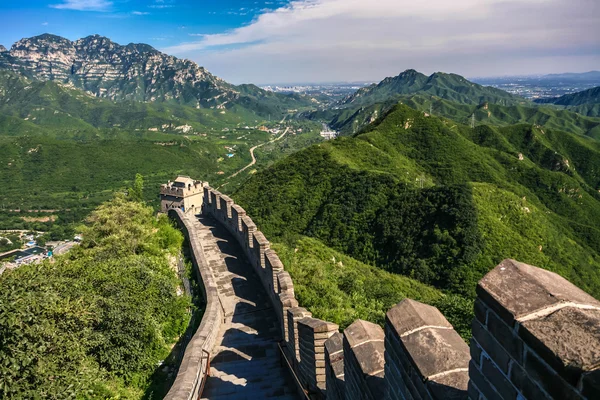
(535, 335)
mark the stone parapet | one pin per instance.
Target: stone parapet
(273, 266)
(313, 333)
(535, 335)
(226, 204)
(237, 213)
(260, 245)
(193, 368)
(364, 361)
(294, 315)
(334, 367)
(424, 357)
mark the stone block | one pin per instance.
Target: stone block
(568, 340)
(409, 315)
(516, 290)
(477, 378)
(540, 372)
(434, 351)
(364, 359)
(497, 379)
(493, 349)
(452, 386)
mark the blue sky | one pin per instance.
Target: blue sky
(285, 41)
(159, 23)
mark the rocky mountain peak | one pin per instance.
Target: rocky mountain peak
(107, 69)
(2, 48)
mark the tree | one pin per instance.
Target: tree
(136, 193)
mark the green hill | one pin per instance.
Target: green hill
(586, 102)
(70, 113)
(441, 202)
(450, 87)
(352, 120)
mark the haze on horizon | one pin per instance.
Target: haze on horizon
(281, 41)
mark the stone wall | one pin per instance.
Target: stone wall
(534, 336)
(193, 367)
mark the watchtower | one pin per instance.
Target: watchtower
(184, 193)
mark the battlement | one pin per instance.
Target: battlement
(535, 335)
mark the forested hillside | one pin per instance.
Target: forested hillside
(351, 120)
(586, 102)
(94, 323)
(450, 87)
(440, 202)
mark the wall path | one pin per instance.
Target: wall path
(245, 360)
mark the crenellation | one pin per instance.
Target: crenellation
(273, 266)
(313, 333)
(364, 361)
(237, 213)
(260, 244)
(286, 302)
(226, 204)
(424, 351)
(294, 315)
(334, 367)
(534, 335)
(248, 228)
(540, 337)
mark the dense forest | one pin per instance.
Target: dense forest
(440, 202)
(95, 323)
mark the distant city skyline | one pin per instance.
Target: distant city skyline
(313, 41)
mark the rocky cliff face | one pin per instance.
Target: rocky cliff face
(106, 69)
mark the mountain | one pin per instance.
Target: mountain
(351, 120)
(135, 72)
(590, 96)
(62, 111)
(441, 202)
(580, 77)
(2, 48)
(586, 102)
(446, 86)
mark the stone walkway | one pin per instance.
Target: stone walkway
(245, 363)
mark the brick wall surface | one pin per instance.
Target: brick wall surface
(334, 367)
(312, 335)
(364, 361)
(535, 336)
(424, 357)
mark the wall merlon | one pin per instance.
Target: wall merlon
(518, 291)
(285, 282)
(364, 361)
(334, 365)
(260, 238)
(410, 315)
(536, 334)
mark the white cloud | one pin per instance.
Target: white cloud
(140, 13)
(44, 24)
(360, 39)
(84, 5)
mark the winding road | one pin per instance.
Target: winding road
(254, 157)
